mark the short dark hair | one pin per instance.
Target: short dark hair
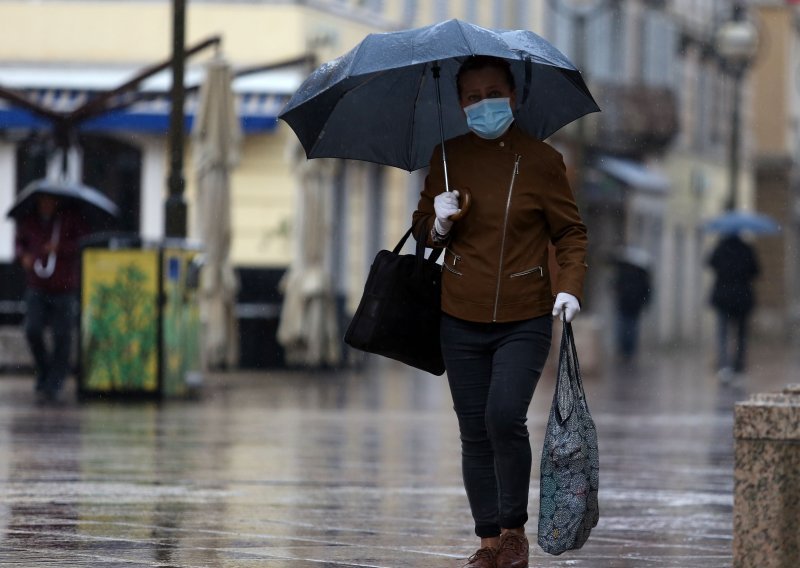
(477, 62)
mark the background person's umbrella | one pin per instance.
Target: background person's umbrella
(91, 201)
(217, 138)
(740, 221)
(379, 102)
(633, 255)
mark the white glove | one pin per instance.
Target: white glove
(445, 204)
(569, 304)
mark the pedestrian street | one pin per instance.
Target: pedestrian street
(356, 468)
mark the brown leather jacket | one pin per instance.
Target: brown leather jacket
(496, 257)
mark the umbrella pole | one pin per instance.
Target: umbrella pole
(436, 74)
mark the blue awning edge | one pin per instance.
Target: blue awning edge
(634, 174)
(258, 112)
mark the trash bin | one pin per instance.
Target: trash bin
(140, 320)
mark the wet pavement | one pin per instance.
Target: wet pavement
(358, 468)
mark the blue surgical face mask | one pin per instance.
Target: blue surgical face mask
(489, 118)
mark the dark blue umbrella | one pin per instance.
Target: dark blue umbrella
(90, 200)
(381, 103)
(739, 221)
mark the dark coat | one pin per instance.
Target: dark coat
(33, 233)
(736, 266)
(632, 288)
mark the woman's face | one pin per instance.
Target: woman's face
(486, 83)
(47, 205)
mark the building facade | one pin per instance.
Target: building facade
(648, 170)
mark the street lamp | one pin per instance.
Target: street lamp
(736, 42)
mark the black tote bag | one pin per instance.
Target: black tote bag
(568, 505)
(398, 316)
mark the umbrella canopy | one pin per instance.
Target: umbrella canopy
(90, 200)
(633, 255)
(217, 138)
(379, 102)
(740, 221)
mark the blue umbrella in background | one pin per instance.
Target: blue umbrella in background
(733, 222)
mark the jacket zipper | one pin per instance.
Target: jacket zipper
(456, 258)
(514, 175)
(453, 270)
(538, 269)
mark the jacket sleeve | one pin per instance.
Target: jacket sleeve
(20, 242)
(423, 218)
(567, 231)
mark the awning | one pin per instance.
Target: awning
(260, 97)
(637, 175)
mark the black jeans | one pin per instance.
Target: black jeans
(56, 311)
(493, 369)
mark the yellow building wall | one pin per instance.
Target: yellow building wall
(264, 203)
(134, 32)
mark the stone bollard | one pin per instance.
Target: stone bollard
(766, 506)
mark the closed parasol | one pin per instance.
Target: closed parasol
(217, 139)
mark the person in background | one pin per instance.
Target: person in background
(497, 298)
(46, 246)
(736, 266)
(632, 289)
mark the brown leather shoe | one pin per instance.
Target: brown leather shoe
(483, 558)
(512, 552)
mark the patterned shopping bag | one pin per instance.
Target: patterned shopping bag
(568, 508)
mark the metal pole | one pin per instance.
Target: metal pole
(735, 141)
(436, 74)
(734, 149)
(175, 207)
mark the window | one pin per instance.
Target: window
(659, 43)
(31, 160)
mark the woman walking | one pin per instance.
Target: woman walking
(497, 294)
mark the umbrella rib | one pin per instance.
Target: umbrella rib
(464, 36)
(413, 118)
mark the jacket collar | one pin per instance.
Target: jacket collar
(506, 142)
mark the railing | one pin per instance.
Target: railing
(635, 119)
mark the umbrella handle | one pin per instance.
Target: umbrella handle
(45, 270)
(466, 202)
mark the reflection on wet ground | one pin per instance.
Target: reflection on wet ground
(356, 468)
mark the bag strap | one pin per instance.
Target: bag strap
(420, 251)
(569, 338)
(396, 249)
(569, 385)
